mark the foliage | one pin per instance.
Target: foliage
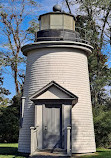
(3, 91)
(95, 17)
(34, 27)
(11, 20)
(9, 121)
(100, 78)
(102, 123)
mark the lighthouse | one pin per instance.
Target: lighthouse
(56, 102)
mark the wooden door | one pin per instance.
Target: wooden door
(52, 125)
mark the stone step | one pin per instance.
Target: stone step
(53, 150)
(56, 153)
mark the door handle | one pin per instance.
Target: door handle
(45, 128)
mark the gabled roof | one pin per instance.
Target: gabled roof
(65, 92)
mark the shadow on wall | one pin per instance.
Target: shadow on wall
(49, 53)
(58, 143)
(74, 136)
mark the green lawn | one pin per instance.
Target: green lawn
(101, 153)
(9, 150)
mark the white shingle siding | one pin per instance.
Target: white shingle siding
(69, 68)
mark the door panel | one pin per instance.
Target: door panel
(52, 126)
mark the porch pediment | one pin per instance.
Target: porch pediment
(53, 91)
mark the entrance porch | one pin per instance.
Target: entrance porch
(53, 107)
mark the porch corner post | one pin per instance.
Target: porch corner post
(32, 141)
(22, 110)
(23, 103)
(69, 141)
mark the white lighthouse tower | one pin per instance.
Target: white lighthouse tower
(56, 102)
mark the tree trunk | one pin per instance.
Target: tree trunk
(16, 81)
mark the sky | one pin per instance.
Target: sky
(33, 13)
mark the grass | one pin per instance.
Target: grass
(101, 153)
(9, 150)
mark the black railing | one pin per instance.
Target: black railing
(79, 35)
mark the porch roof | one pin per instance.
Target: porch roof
(54, 91)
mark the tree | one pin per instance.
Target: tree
(3, 91)
(12, 19)
(102, 123)
(95, 17)
(9, 121)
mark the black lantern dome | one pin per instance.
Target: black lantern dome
(57, 8)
